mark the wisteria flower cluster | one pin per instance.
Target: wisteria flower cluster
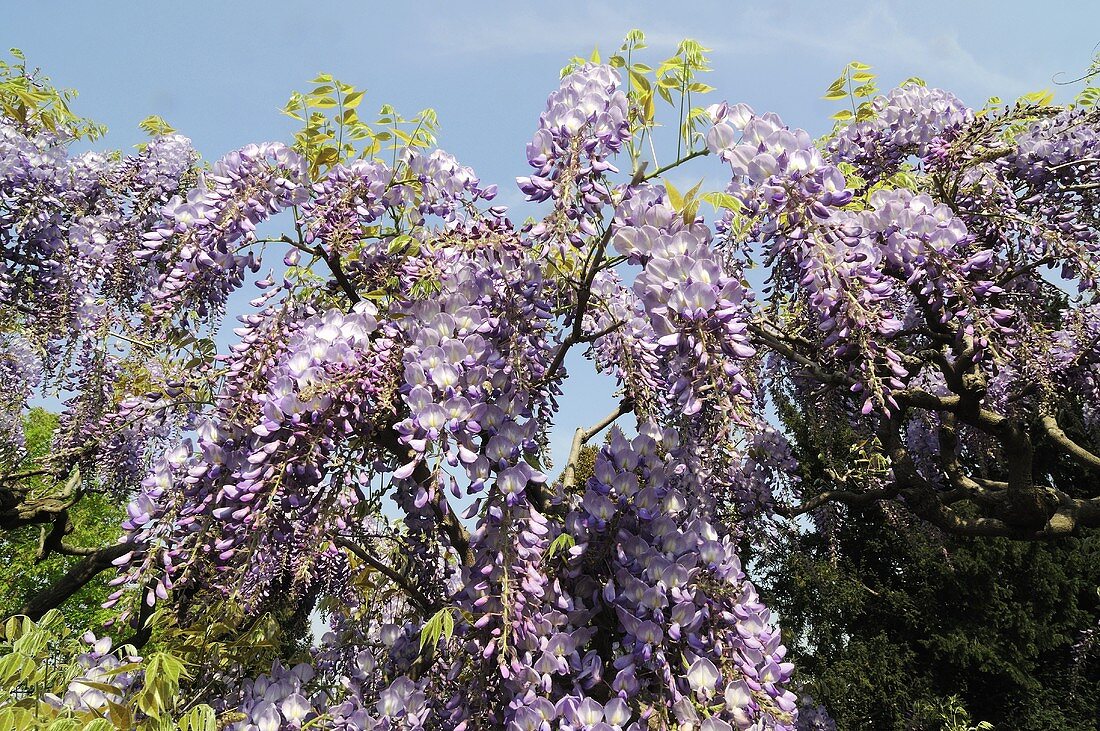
(585, 125)
(201, 234)
(20, 373)
(911, 120)
(104, 677)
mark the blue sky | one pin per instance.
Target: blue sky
(219, 71)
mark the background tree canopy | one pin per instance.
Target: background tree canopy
(883, 616)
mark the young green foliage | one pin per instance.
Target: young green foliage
(28, 97)
(856, 82)
(334, 133)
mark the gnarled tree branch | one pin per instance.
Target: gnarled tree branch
(74, 579)
(1082, 456)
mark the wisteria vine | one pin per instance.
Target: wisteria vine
(384, 416)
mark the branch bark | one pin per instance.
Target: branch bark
(74, 579)
(1080, 455)
(582, 436)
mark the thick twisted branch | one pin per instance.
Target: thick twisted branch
(1082, 456)
(74, 579)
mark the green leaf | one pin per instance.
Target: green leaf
(199, 718)
(162, 678)
(351, 101)
(13, 668)
(674, 196)
(13, 718)
(124, 668)
(155, 126)
(102, 687)
(693, 191)
(441, 625)
(635, 38)
(120, 714)
(721, 200)
(836, 95)
(562, 543)
(1040, 98)
(640, 79)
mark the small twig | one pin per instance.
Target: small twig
(1082, 186)
(661, 170)
(1071, 163)
(332, 261)
(1009, 276)
(774, 342)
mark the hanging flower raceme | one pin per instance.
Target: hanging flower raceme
(1054, 219)
(699, 313)
(104, 678)
(256, 479)
(164, 162)
(70, 226)
(198, 245)
(107, 438)
(862, 273)
(688, 640)
(447, 188)
(20, 374)
(348, 198)
(793, 198)
(281, 700)
(617, 604)
(585, 125)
